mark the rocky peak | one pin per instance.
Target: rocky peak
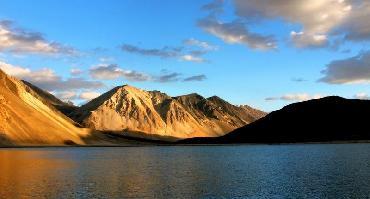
(126, 108)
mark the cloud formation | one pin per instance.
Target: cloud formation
(352, 70)
(192, 50)
(106, 71)
(66, 95)
(17, 40)
(297, 97)
(215, 7)
(201, 44)
(113, 71)
(320, 23)
(362, 96)
(195, 78)
(323, 23)
(165, 52)
(170, 77)
(317, 17)
(236, 32)
(46, 79)
(88, 95)
(75, 71)
(356, 25)
(192, 58)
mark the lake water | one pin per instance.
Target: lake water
(245, 171)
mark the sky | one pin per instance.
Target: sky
(263, 53)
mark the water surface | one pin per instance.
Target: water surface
(245, 171)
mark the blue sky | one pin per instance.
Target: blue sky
(262, 53)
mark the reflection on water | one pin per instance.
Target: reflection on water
(295, 171)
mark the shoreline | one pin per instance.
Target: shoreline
(174, 145)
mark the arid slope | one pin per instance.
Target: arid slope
(27, 119)
(129, 109)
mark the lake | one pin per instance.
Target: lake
(235, 171)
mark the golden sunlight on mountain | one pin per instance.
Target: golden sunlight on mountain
(26, 119)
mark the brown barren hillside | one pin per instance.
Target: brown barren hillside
(27, 119)
(129, 109)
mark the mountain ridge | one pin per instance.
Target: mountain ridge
(126, 108)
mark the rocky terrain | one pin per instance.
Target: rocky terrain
(155, 115)
(32, 116)
(29, 116)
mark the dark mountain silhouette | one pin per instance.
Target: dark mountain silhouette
(319, 120)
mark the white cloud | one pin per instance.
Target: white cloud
(72, 95)
(46, 79)
(192, 58)
(76, 71)
(136, 76)
(18, 40)
(165, 52)
(66, 95)
(237, 33)
(297, 97)
(12, 70)
(318, 18)
(113, 71)
(184, 53)
(202, 44)
(89, 95)
(106, 71)
(321, 23)
(302, 40)
(363, 96)
(106, 59)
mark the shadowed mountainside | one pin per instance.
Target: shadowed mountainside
(319, 120)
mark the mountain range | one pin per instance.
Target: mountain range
(129, 115)
(30, 115)
(155, 115)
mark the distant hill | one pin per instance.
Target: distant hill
(320, 120)
(158, 116)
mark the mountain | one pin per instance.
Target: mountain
(155, 115)
(30, 116)
(64, 107)
(320, 120)
(26, 118)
